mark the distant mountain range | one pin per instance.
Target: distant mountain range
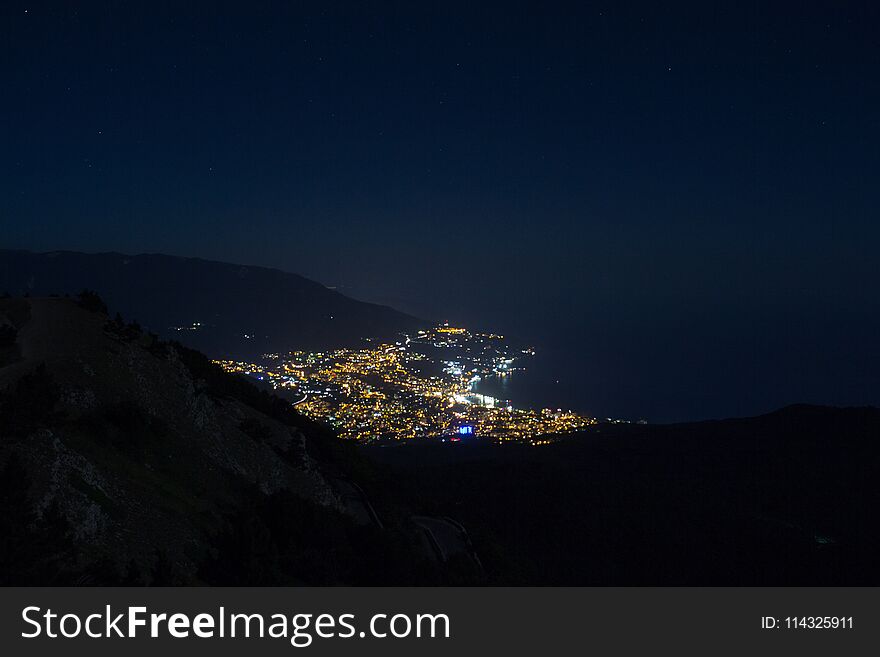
(219, 308)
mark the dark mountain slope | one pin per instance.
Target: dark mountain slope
(125, 458)
(276, 310)
(788, 498)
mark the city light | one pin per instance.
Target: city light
(420, 387)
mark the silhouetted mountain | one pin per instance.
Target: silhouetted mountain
(225, 309)
(126, 459)
(788, 498)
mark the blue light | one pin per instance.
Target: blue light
(466, 430)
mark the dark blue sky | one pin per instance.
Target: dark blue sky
(676, 202)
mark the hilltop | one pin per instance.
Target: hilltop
(222, 309)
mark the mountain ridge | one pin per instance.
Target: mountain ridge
(128, 459)
(223, 309)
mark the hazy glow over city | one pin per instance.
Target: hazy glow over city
(418, 387)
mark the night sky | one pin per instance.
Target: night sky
(676, 203)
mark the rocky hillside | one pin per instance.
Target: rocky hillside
(126, 458)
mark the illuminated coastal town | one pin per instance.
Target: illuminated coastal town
(421, 387)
